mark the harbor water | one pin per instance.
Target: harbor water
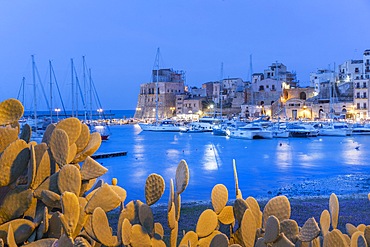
(315, 166)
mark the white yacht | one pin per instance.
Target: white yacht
(161, 126)
(250, 132)
(301, 130)
(335, 129)
(359, 129)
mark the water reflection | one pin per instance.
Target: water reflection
(283, 156)
(209, 160)
(353, 153)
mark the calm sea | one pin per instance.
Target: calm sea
(266, 168)
(108, 114)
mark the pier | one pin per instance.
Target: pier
(109, 155)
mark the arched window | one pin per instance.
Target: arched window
(302, 95)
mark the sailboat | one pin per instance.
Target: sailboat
(100, 125)
(331, 128)
(166, 125)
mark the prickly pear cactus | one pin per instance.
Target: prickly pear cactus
(49, 197)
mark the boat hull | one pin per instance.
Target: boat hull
(250, 135)
(159, 128)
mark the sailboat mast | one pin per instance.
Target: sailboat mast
(51, 92)
(221, 87)
(85, 89)
(156, 86)
(90, 91)
(72, 80)
(34, 92)
(23, 85)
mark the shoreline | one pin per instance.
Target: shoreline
(353, 209)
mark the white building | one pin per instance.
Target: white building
(357, 72)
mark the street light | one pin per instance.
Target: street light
(172, 109)
(57, 110)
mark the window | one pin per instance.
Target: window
(358, 106)
(272, 87)
(357, 70)
(364, 105)
(364, 85)
(358, 85)
(267, 86)
(364, 95)
(358, 95)
(261, 88)
(302, 96)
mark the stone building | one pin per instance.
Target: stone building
(356, 74)
(160, 94)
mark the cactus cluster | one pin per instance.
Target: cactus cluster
(49, 196)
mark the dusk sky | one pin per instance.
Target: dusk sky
(119, 40)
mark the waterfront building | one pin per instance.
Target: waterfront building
(356, 73)
(163, 89)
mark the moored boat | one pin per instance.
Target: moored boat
(161, 126)
(250, 131)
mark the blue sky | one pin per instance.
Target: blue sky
(119, 39)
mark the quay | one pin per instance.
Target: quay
(109, 155)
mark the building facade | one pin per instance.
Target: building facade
(159, 97)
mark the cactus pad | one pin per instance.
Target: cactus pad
(92, 169)
(22, 229)
(101, 229)
(253, 205)
(72, 126)
(219, 197)
(190, 239)
(126, 232)
(105, 198)
(16, 202)
(154, 188)
(146, 218)
(334, 238)
(272, 229)
(139, 237)
(220, 240)
(13, 162)
(83, 139)
(59, 146)
(334, 210)
(290, 229)
(309, 231)
(69, 179)
(226, 216)
(207, 223)
(70, 212)
(91, 147)
(182, 177)
(7, 136)
(248, 228)
(26, 133)
(279, 207)
(239, 208)
(11, 110)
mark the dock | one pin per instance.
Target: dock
(109, 155)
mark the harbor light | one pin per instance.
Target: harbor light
(57, 110)
(100, 110)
